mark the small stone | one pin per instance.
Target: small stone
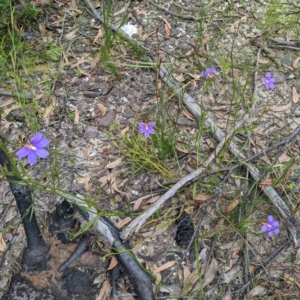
(135, 107)
(107, 119)
(287, 60)
(79, 48)
(91, 132)
(279, 76)
(128, 113)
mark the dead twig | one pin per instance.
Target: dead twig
(285, 47)
(7, 93)
(282, 42)
(140, 278)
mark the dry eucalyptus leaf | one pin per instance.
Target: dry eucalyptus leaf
(123, 9)
(141, 12)
(297, 260)
(182, 150)
(110, 178)
(233, 205)
(211, 272)
(47, 113)
(76, 118)
(2, 243)
(71, 35)
(257, 291)
(124, 222)
(168, 28)
(85, 181)
(112, 264)
(188, 115)
(202, 197)
(281, 108)
(227, 296)
(263, 61)
(186, 273)
(105, 290)
(113, 164)
(7, 102)
(290, 280)
(195, 76)
(220, 107)
(116, 189)
(283, 158)
(193, 281)
(165, 266)
(295, 95)
(98, 36)
(102, 109)
(152, 200)
(140, 32)
(145, 36)
(137, 203)
(295, 63)
(123, 131)
(288, 67)
(228, 266)
(8, 110)
(81, 60)
(85, 73)
(11, 213)
(178, 77)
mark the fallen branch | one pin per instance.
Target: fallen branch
(7, 93)
(140, 278)
(35, 255)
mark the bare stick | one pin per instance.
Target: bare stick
(7, 93)
(140, 278)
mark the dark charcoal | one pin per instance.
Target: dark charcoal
(78, 282)
(62, 221)
(184, 231)
(22, 289)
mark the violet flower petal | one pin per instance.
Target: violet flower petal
(41, 153)
(42, 143)
(32, 157)
(270, 219)
(36, 138)
(23, 152)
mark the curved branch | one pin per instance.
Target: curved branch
(35, 256)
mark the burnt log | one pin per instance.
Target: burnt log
(36, 254)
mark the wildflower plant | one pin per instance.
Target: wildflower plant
(208, 73)
(34, 149)
(269, 81)
(271, 226)
(147, 129)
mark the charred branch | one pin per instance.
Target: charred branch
(35, 256)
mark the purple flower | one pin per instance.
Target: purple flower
(34, 149)
(208, 73)
(268, 81)
(271, 227)
(146, 129)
